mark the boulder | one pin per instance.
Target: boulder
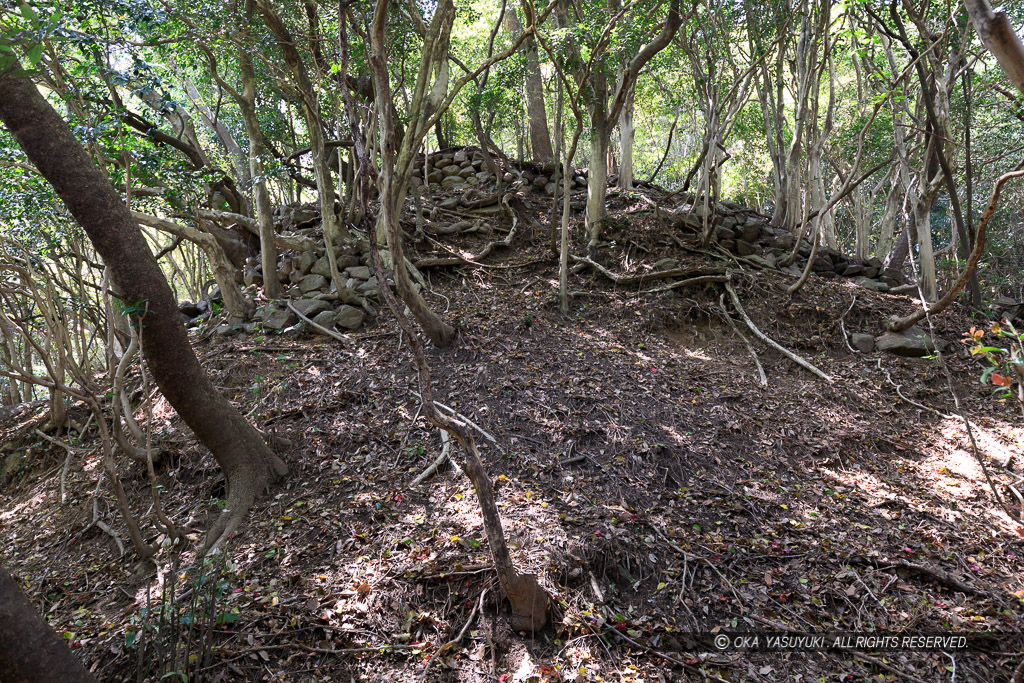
(467, 172)
(853, 269)
(540, 181)
(435, 176)
(311, 283)
(873, 285)
(914, 343)
(310, 307)
(278, 317)
(666, 264)
(865, 343)
(358, 272)
(349, 317)
(306, 261)
(750, 232)
(822, 264)
(484, 176)
(324, 319)
(744, 248)
(322, 267)
(460, 157)
(550, 189)
(723, 233)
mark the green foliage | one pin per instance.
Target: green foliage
(1003, 359)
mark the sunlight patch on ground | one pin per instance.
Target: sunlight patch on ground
(22, 509)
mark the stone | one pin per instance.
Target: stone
(251, 277)
(744, 248)
(889, 280)
(189, 309)
(324, 319)
(874, 262)
(460, 157)
(451, 181)
(349, 317)
(913, 343)
(870, 271)
(450, 204)
(540, 181)
(822, 264)
(347, 261)
(550, 189)
(227, 330)
(507, 177)
(311, 283)
(666, 264)
(467, 172)
(580, 181)
(306, 261)
(279, 317)
(310, 307)
(435, 176)
(763, 261)
(358, 272)
(472, 180)
(785, 241)
(728, 245)
(484, 176)
(549, 167)
(865, 343)
(749, 232)
(873, 285)
(322, 267)
(452, 169)
(723, 233)
(853, 269)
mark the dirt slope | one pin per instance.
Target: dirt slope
(642, 470)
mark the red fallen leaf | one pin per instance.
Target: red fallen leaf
(1000, 380)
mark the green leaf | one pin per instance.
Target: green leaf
(35, 54)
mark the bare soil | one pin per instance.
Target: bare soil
(642, 472)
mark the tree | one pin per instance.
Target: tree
(248, 464)
(29, 649)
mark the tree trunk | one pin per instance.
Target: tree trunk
(540, 140)
(29, 649)
(264, 217)
(248, 464)
(626, 135)
(997, 34)
(597, 176)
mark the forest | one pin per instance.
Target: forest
(537, 341)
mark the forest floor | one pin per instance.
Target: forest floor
(642, 471)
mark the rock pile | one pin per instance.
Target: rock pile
(306, 277)
(463, 169)
(748, 234)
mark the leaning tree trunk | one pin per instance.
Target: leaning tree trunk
(29, 649)
(248, 464)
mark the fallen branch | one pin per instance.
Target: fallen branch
(646, 277)
(767, 340)
(463, 418)
(315, 326)
(750, 348)
(437, 462)
(937, 575)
